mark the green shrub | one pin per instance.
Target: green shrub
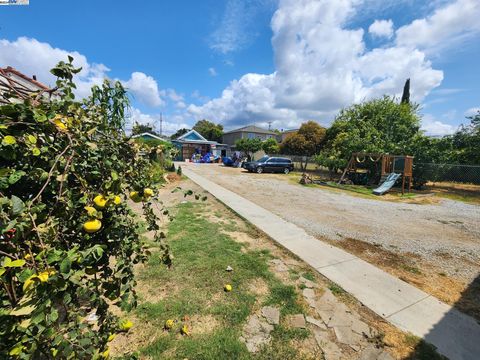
(68, 240)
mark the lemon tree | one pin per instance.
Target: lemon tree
(68, 241)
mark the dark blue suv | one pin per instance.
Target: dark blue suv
(269, 164)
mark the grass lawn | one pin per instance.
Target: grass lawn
(205, 238)
(192, 293)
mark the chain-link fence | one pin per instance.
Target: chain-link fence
(424, 172)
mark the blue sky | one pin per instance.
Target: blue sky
(253, 61)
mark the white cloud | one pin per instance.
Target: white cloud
(212, 71)
(145, 89)
(446, 91)
(33, 57)
(472, 111)
(321, 65)
(236, 27)
(381, 28)
(450, 24)
(435, 127)
(37, 58)
(169, 125)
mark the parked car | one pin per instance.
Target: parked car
(269, 164)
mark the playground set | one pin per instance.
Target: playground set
(383, 169)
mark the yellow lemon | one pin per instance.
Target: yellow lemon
(126, 325)
(184, 330)
(105, 354)
(92, 226)
(111, 337)
(59, 123)
(9, 140)
(135, 196)
(117, 200)
(100, 201)
(169, 324)
(43, 276)
(91, 211)
(228, 288)
(17, 350)
(147, 192)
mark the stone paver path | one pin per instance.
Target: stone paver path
(453, 333)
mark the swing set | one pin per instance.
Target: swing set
(374, 168)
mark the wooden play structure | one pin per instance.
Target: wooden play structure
(373, 168)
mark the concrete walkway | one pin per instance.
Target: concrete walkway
(455, 334)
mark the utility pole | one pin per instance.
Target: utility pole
(161, 124)
(269, 125)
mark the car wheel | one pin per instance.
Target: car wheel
(259, 170)
(286, 171)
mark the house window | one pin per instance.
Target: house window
(251, 135)
(269, 136)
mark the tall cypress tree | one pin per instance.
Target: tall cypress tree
(406, 93)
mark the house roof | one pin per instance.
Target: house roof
(13, 81)
(149, 134)
(252, 128)
(12, 70)
(194, 137)
(289, 131)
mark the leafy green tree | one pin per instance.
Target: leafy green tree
(306, 142)
(209, 130)
(270, 146)
(379, 125)
(466, 143)
(248, 146)
(142, 128)
(179, 133)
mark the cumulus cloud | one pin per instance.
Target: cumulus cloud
(36, 58)
(322, 65)
(33, 57)
(381, 28)
(169, 125)
(448, 25)
(145, 89)
(434, 127)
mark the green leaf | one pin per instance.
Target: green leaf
(14, 177)
(15, 263)
(65, 266)
(17, 205)
(2, 271)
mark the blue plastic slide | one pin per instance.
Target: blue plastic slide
(387, 184)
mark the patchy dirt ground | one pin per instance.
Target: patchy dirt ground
(291, 271)
(435, 246)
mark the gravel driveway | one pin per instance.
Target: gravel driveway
(446, 234)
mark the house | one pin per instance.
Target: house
(284, 134)
(13, 81)
(248, 132)
(194, 143)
